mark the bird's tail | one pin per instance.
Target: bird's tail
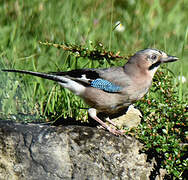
(70, 84)
(38, 74)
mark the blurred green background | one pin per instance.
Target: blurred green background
(160, 24)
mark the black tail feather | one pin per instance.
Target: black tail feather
(38, 74)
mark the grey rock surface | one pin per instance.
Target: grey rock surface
(41, 152)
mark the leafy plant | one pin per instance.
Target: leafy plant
(163, 129)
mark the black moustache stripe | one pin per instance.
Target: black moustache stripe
(154, 65)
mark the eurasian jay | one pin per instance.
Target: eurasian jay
(112, 89)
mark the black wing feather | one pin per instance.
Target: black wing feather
(78, 73)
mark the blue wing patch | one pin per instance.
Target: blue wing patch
(105, 85)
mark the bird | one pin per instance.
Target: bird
(110, 90)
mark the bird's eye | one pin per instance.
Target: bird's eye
(153, 57)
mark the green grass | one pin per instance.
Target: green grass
(160, 24)
(157, 24)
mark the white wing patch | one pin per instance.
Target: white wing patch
(73, 86)
(84, 77)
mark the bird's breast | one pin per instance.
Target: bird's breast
(137, 90)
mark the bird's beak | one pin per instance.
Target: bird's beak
(168, 59)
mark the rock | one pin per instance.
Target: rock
(131, 119)
(41, 152)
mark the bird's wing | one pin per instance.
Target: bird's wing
(82, 75)
(97, 78)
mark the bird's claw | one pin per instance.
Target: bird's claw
(116, 132)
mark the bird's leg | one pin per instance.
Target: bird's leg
(111, 122)
(93, 114)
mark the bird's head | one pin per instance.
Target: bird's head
(149, 60)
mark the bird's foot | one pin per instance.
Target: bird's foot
(116, 132)
(113, 130)
(93, 114)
